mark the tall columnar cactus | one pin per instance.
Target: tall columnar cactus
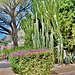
(41, 39)
(60, 50)
(52, 41)
(61, 60)
(52, 44)
(58, 54)
(47, 36)
(34, 43)
(59, 44)
(49, 9)
(37, 34)
(43, 36)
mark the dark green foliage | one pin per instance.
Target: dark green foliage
(28, 40)
(27, 28)
(4, 43)
(67, 22)
(6, 51)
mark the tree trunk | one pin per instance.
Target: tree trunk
(14, 32)
(15, 41)
(14, 38)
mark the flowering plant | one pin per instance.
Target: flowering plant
(25, 53)
(31, 62)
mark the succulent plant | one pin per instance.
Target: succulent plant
(70, 58)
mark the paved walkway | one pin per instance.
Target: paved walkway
(5, 68)
(64, 70)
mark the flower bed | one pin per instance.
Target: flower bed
(31, 62)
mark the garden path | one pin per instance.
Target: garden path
(5, 68)
(64, 70)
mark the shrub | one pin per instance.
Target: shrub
(6, 51)
(31, 62)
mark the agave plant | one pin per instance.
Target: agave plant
(70, 58)
(74, 58)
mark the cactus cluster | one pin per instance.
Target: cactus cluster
(48, 11)
(41, 39)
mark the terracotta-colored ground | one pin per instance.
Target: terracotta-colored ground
(64, 70)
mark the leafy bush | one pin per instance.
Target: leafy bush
(6, 51)
(31, 62)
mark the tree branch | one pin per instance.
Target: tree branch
(16, 4)
(1, 29)
(5, 29)
(19, 20)
(4, 33)
(3, 21)
(7, 4)
(7, 9)
(9, 24)
(22, 9)
(10, 4)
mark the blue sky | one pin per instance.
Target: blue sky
(2, 36)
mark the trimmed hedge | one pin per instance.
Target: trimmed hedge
(31, 62)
